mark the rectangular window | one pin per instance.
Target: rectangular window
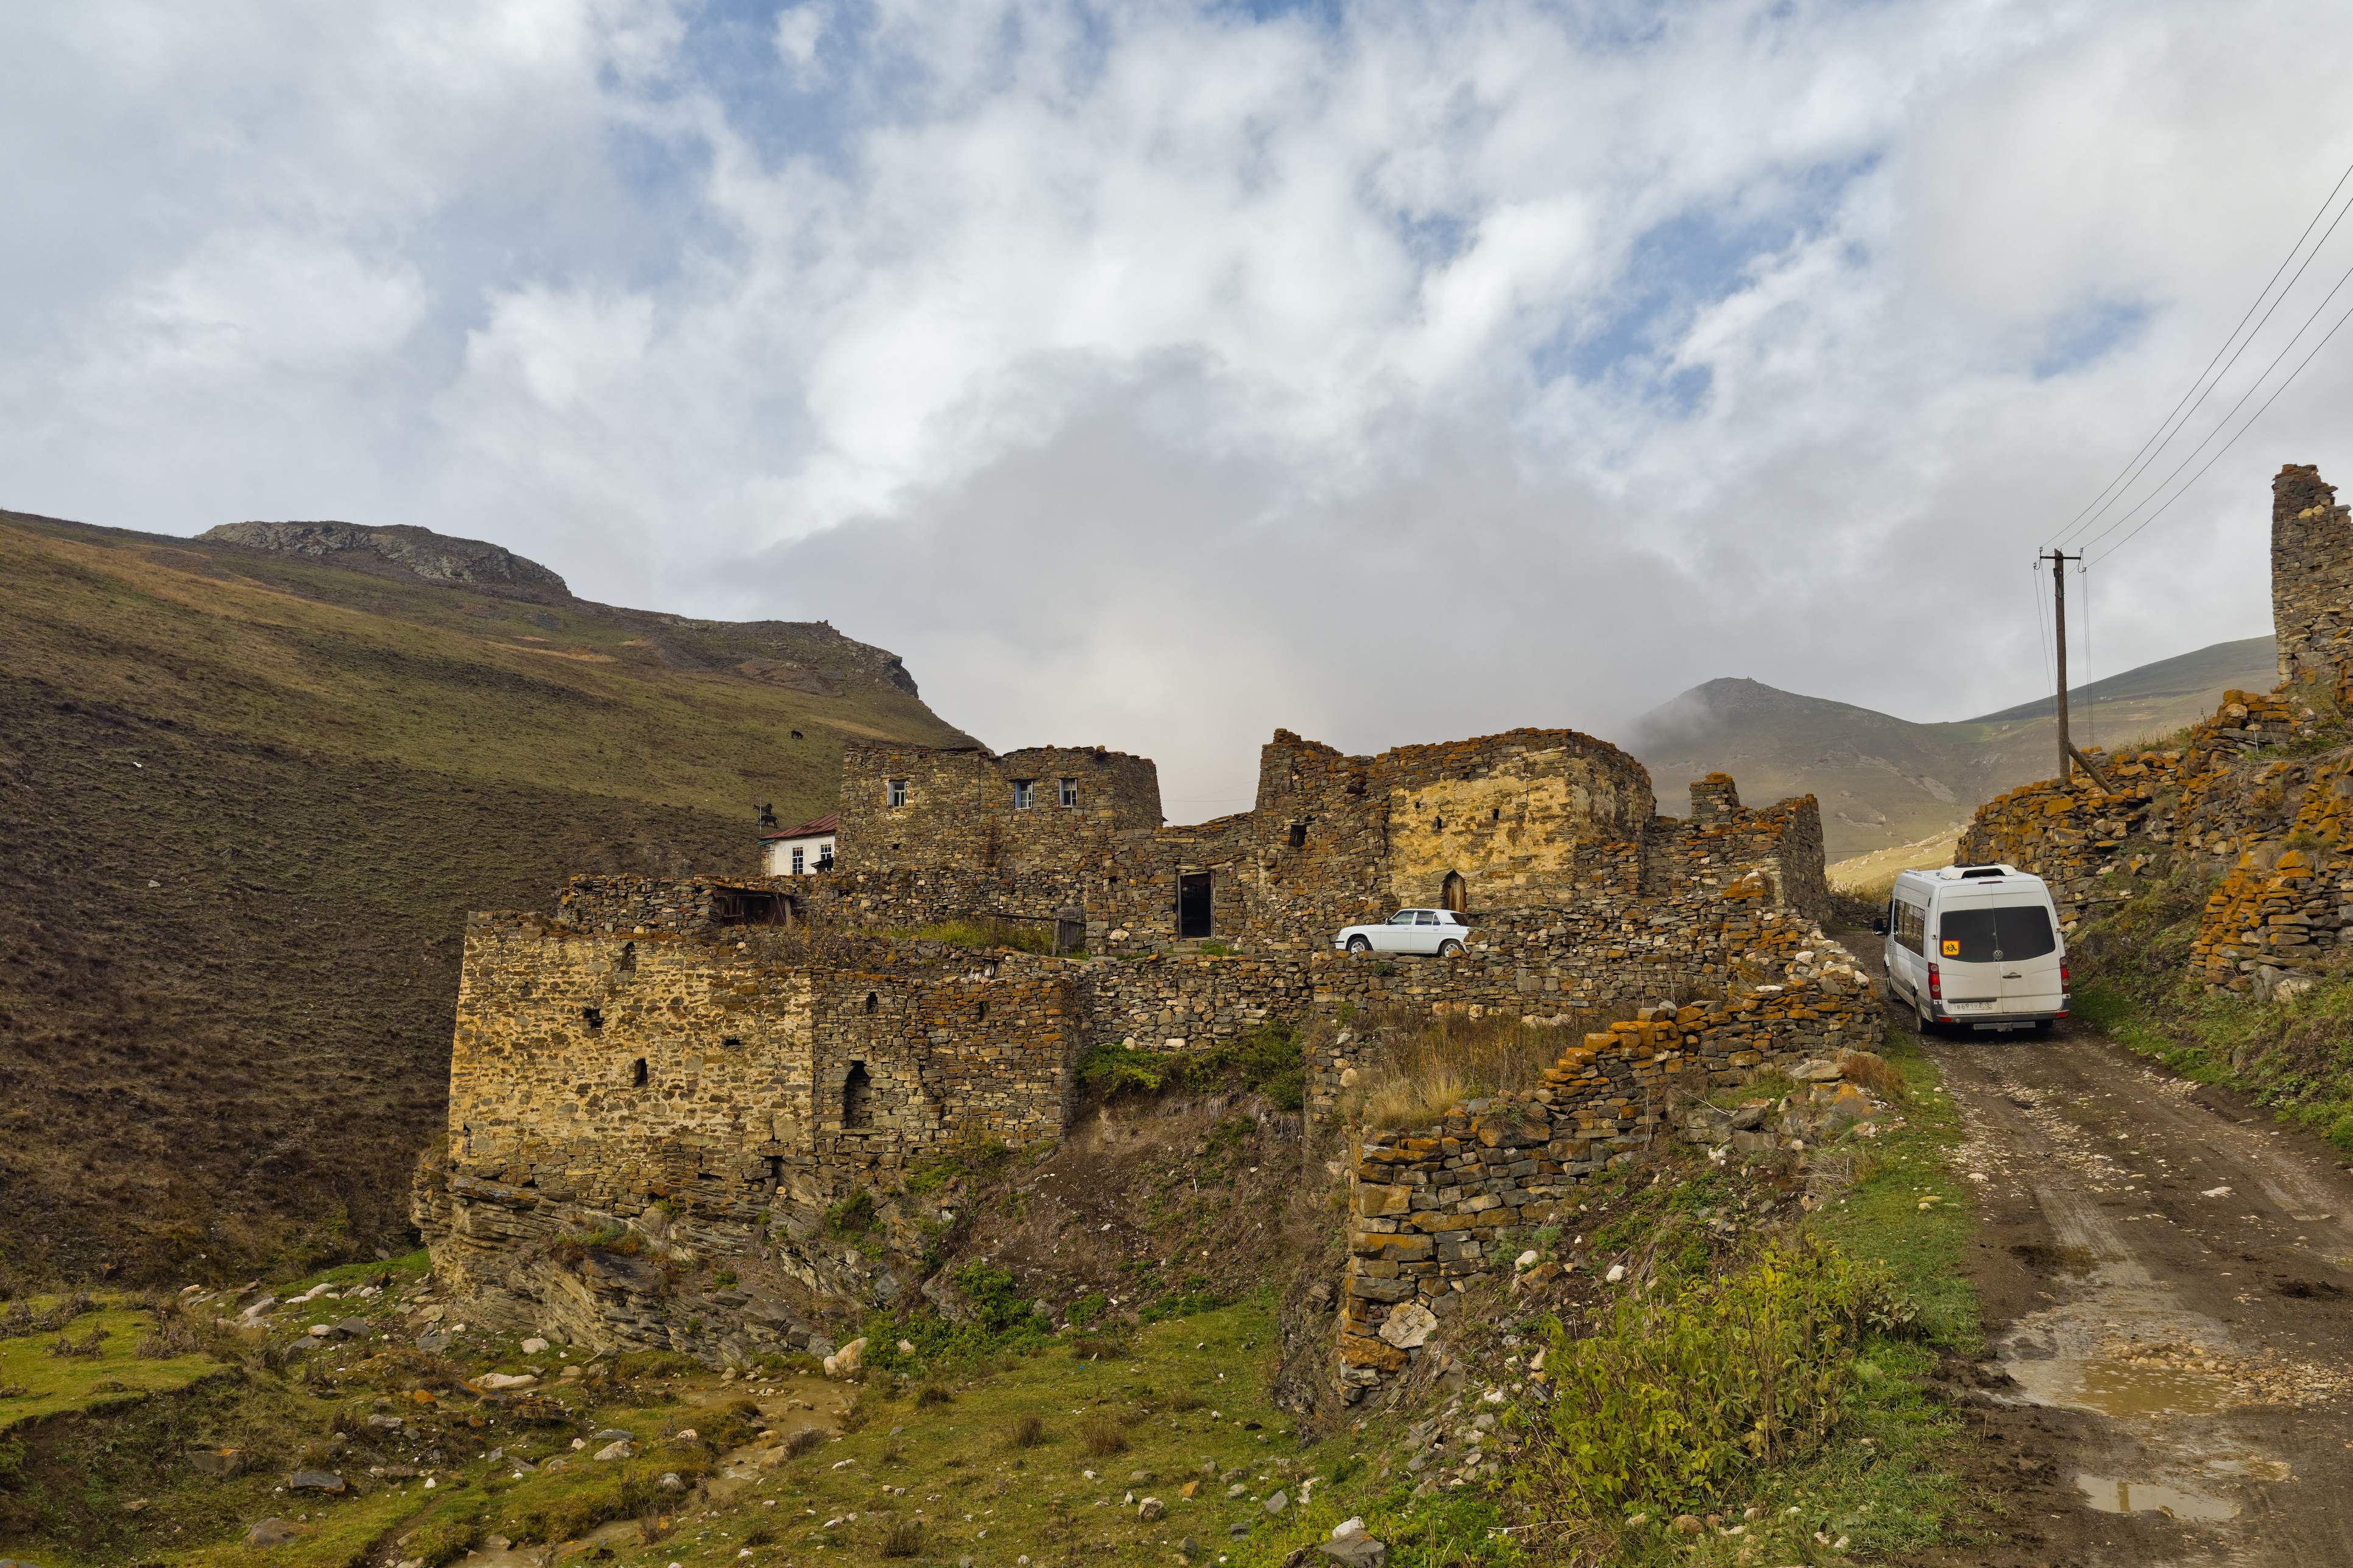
(1070, 792)
(1021, 794)
(1909, 925)
(898, 792)
(797, 867)
(825, 857)
(2001, 935)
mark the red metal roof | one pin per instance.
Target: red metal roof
(815, 827)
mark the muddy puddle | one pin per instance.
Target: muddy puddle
(2109, 1495)
(2152, 1361)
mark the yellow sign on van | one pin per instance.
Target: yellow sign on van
(1952, 947)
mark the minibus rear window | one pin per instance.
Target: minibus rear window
(2003, 935)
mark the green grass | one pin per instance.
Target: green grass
(54, 1384)
(2292, 1054)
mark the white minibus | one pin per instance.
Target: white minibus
(1976, 945)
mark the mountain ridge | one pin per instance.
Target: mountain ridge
(1884, 780)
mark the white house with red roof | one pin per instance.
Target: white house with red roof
(797, 851)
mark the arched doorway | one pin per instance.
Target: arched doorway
(856, 1098)
(1453, 894)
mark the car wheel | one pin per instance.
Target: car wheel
(1922, 1022)
(1449, 948)
(1358, 944)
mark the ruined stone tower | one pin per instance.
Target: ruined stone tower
(2312, 575)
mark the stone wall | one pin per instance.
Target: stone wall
(2272, 830)
(1505, 814)
(1527, 819)
(620, 1070)
(2312, 578)
(1432, 1210)
(959, 808)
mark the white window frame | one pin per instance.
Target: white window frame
(898, 793)
(1069, 792)
(799, 870)
(1022, 789)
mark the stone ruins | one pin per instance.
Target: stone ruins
(726, 1057)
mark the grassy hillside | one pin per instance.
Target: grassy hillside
(1886, 782)
(245, 799)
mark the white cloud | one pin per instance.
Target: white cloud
(1156, 375)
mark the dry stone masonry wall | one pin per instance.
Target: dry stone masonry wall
(2258, 797)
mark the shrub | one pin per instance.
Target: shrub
(1022, 936)
(802, 1441)
(1269, 1060)
(932, 1393)
(903, 1539)
(1101, 1438)
(1186, 1399)
(1087, 1309)
(1028, 1432)
(852, 1218)
(1680, 1396)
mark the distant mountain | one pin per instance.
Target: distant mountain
(1884, 781)
(249, 786)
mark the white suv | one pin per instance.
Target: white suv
(1439, 932)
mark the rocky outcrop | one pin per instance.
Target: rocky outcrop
(402, 550)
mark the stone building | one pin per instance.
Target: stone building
(704, 1050)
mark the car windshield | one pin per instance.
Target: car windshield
(2001, 933)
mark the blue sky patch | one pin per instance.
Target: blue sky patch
(2088, 333)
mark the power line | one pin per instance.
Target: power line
(2233, 441)
(2170, 425)
(2253, 388)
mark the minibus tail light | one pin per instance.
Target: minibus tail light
(1936, 984)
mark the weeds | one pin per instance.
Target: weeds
(1269, 1060)
(1099, 1440)
(903, 1539)
(804, 1441)
(931, 1394)
(1028, 1432)
(1679, 1395)
(986, 931)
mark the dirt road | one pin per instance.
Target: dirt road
(2165, 1275)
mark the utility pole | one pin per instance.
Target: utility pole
(2068, 754)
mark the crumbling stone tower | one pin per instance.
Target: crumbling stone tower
(2312, 577)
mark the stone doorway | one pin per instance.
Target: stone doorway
(1453, 894)
(856, 1098)
(1193, 904)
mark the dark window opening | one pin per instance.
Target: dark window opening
(1453, 894)
(731, 1043)
(1193, 904)
(1299, 836)
(2001, 935)
(872, 1002)
(1440, 824)
(638, 1073)
(746, 907)
(980, 1013)
(775, 1172)
(593, 1017)
(856, 1098)
(1499, 813)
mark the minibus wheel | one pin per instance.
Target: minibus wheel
(1925, 1024)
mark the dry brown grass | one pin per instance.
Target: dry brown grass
(1103, 1438)
(1414, 1068)
(1028, 1431)
(1874, 1073)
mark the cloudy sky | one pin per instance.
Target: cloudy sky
(1152, 375)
